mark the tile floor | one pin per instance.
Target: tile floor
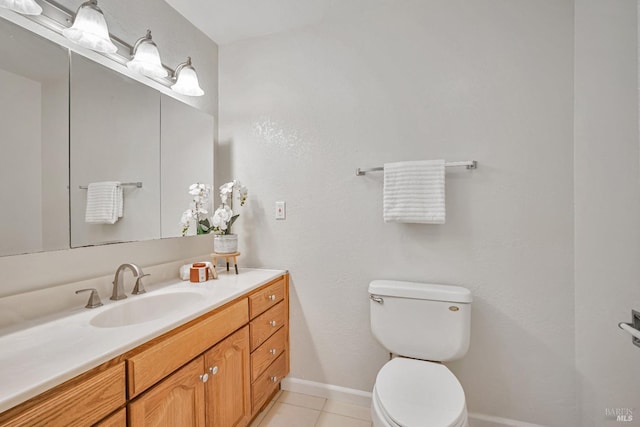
(289, 409)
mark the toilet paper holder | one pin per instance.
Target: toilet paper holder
(632, 328)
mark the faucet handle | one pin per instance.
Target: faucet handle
(94, 298)
(138, 288)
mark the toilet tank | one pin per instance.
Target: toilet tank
(421, 320)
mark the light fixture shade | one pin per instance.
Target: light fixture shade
(90, 30)
(146, 58)
(25, 7)
(187, 80)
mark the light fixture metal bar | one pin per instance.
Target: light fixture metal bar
(56, 17)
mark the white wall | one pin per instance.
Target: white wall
(607, 207)
(55, 158)
(485, 80)
(21, 229)
(176, 38)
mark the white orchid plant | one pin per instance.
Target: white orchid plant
(197, 212)
(223, 218)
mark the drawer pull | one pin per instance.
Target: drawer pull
(272, 297)
(204, 378)
(273, 351)
(273, 323)
(274, 379)
(213, 370)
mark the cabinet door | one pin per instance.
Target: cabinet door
(176, 401)
(228, 388)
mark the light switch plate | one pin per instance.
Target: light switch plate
(281, 210)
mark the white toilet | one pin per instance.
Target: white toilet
(424, 325)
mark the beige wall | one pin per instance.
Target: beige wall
(485, 80)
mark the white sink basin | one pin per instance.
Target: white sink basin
(139, 309)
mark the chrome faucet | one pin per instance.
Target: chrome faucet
(118, 281)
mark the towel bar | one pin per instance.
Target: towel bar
(470, 164)
(123, 184)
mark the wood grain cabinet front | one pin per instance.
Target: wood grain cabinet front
(167, 354)
(228, 391)
(268, 382)
(265, 325)
(178, 400)
(118, 419)
(262, 300)
(84, 400)
(269, 351)
(269, 337)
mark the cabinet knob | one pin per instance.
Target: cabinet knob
(213, 370)
(273, 323)
(204, 378)
(272, 297)
(273, 351)
(274, 379)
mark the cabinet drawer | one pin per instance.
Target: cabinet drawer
(266, 298)
(162, 358)
(268, 382)
(267, 353)
(265, 325)
(84, 402)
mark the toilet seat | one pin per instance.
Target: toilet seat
(416, 393)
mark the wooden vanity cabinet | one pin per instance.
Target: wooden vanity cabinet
(218, 370)
(242, 370)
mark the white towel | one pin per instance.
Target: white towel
(414, 192)
(104, 203)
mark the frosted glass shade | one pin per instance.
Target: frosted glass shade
(146, 58)
(187, 80)
(90, 30)
(25, 7)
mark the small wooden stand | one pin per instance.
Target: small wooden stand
(233, 255)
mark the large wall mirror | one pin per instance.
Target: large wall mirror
(186, 158)
(115, 137)
(68, 122)
(34, 149)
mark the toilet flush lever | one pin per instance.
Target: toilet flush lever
(376, 298)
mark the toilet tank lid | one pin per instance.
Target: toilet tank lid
(427, 291)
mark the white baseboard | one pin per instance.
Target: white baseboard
(481, 420)
(363, 398)
(327, 391)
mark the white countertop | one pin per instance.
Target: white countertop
(44, 355)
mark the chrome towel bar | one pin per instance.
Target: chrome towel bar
(123, 184)
(469, 164)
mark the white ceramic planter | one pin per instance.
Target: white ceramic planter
(225, 243)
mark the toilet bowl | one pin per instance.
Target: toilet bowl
(424, 324)
(417, 393)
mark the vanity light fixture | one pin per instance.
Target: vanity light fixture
(187, 80)
(90, 30)
(25, 7)
(146, 58)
